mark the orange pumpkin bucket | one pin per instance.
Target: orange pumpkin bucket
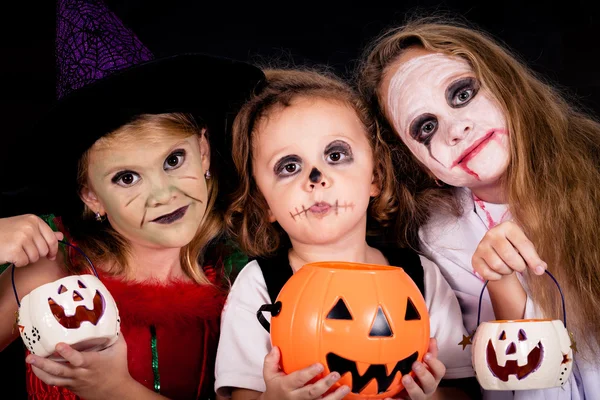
(367, 322)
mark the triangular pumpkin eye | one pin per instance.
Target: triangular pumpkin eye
(62, 289)
(81, 285)
(381, 327)
(411, 311)
(339, 311)
(522, 335)
(502, 336)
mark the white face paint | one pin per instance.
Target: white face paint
(448, 121)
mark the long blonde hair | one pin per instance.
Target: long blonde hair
(553, 180)
(103, 244)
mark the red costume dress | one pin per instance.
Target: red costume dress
(185, 317)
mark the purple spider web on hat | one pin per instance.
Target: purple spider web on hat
(91, 42)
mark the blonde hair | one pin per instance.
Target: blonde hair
(553, 180)
(247, 217)
(103, 243)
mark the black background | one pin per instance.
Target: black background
(559, 41)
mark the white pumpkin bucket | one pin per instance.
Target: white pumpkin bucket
(77, 310)
(522, 354)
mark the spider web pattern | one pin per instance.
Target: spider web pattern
(91, 42)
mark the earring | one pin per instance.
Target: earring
(98, 216)
(207, 175)
(438, 183)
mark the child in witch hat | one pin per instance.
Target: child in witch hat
(130, 169)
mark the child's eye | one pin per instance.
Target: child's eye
(289, 169)
(423, 128)
(428, 128)
(288, 166)
(174, 160)
(462, 97)
(336, 156)
(125, 178)
(461, 92)
(338, 152)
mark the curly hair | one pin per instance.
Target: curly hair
(247, 217)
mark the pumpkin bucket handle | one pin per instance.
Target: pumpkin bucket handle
(12, 276)
(274, 309)
(557, 285)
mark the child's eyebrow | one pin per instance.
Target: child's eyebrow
(181, 143)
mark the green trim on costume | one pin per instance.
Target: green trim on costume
(155, 359)
(49, 219)
(235, 259)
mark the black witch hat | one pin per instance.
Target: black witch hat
(106, 77)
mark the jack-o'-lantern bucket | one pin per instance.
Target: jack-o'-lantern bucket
(522, 354)
(77, 310)
(367, 322)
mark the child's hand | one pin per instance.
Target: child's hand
(90, 375)
(503, 250)
(25, 239)
(429, 374)
(294, 386)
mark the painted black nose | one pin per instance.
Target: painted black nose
(315, 175)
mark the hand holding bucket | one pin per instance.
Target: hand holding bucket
(77, 310)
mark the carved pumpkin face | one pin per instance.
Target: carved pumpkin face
(521, 355)
(77, 310)
(367, 322)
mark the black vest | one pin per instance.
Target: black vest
(277, 270)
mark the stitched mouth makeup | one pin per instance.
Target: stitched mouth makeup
(171, 217)
(320, 209)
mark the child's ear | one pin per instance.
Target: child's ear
(271, 216)
(204, 150)
(375, 185)
(89, 197)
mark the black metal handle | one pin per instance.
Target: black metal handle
(557, 285)
(274, 309)
(12, 276)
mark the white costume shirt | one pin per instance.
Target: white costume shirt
(244, 343)
(451, 242)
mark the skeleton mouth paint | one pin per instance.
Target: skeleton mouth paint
(534, 360)
(320, 209)
(171, 217)
(82, 313)
(375, 371)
